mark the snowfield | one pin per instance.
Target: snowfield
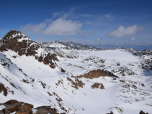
(28, 80)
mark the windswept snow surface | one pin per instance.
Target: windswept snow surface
(131, 92)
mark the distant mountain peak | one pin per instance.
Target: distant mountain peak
(18, 42)
(15, 34)
(56, 44)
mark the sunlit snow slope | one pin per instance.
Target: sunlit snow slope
(74, 81)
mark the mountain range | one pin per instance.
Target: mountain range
(71, 78)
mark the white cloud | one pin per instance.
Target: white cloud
(122, 31)
(55, 14)
(35, 29)
(133, 38)
(63, 27)
(108, 15)
(60, 26)
(98, 39)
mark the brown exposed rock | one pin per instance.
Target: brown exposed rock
(77, 83)
(96, 74)
(46, 110)
(122, 81)
(119, 110)
(97, 85)
(48, 59)
(2, 88)
(10, 102)
(59, 101)
(25, 109)
(25, 81)
(133, 86)
(12, 108)
(59, 82)
(43, 84)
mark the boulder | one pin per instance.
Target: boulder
(12, 108)
(25, 109)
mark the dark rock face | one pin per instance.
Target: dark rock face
(141, 112)
(11, 41)
(21, 44)
(48, 59)
(10, 102)
(110, 112)
(96, 74)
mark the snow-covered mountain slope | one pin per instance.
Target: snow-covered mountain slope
(73, 81)
(56, 44)
(70, 44)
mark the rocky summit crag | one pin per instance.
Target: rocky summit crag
(69, 78)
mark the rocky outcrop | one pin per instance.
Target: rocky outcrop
(46, 110)
(110, 112)
(141, 112)
(25, 109)
(3, 89)
(97, 85)
(16, 41)
(76, 84)
(13, 106)
(10, 102)
(96, 74)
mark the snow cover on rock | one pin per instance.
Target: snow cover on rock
(56, 44)
(26, 79)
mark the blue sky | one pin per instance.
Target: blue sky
(81, 21)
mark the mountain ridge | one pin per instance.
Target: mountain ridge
(72, 80)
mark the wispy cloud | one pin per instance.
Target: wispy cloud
(108, 16)
(132, 38)
(60, 26)
(55, 14)
(122, 31)
(98, 39)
